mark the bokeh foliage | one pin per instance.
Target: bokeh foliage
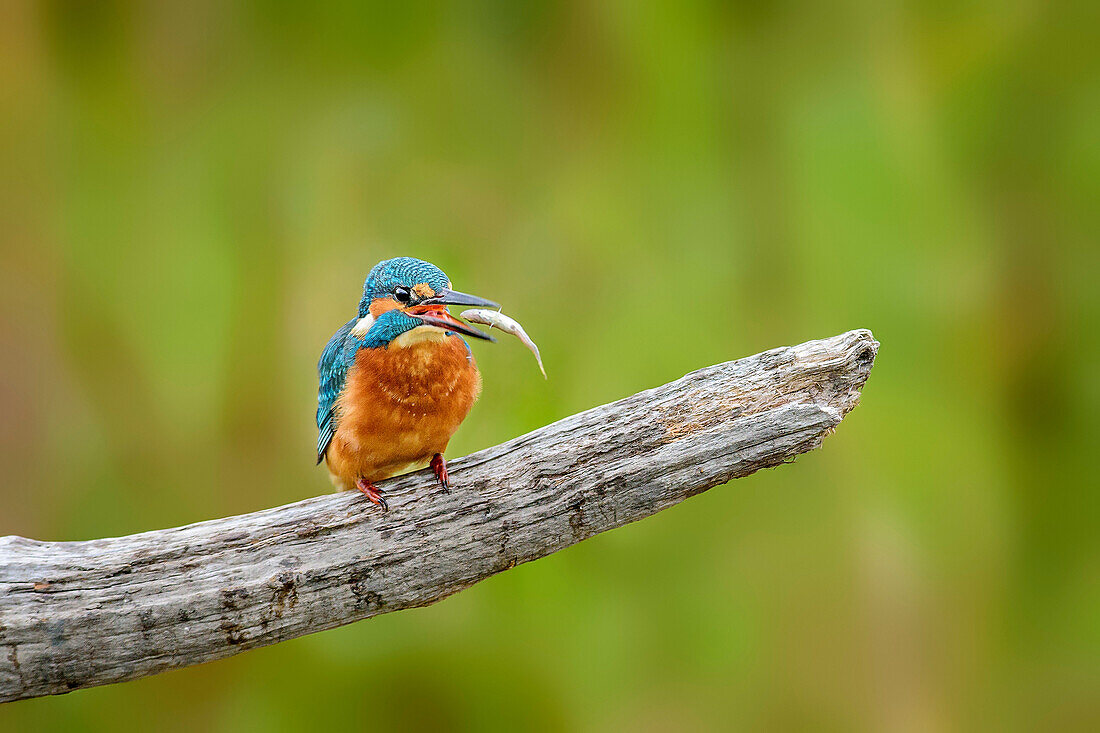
(193, 192)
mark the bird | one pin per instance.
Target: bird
(396, 381)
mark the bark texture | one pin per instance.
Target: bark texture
(78, 614)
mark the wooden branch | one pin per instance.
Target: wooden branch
(78, 614)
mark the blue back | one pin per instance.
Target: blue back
(332, 370)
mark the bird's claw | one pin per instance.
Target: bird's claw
(371, 491)
(439, 466)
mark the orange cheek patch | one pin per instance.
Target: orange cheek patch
(378, 306)
(423, 290)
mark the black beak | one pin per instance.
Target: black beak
(453, 297)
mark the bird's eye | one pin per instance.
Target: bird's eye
(402, 293)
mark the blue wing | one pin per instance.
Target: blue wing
(332, 370)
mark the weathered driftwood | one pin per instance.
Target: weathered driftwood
(77, 614)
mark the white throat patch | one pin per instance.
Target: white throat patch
(359, 330)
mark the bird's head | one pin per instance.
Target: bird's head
(405, 293)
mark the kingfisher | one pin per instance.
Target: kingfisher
(397, 380)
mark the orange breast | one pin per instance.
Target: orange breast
(400, 406)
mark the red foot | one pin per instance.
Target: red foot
(372, 493)
(439, 465)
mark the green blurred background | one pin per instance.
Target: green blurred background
(191, 196)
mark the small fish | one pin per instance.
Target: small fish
(504, 323)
